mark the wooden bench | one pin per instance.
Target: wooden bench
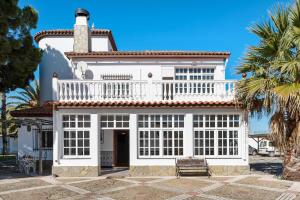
(191, 165)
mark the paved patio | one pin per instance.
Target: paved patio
(260, 184)
(264, 187)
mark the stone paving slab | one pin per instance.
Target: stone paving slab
(185, 184)
(100, 185)
(143, 180)
(243, 193)
(40, 194)
(257, 181)
(70, 180)
(21, 184)
(141, 192)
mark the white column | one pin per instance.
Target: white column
(188, 143)
(56, 138)
(54, 87)
(246, 137)
(133, 137)
(94, 140)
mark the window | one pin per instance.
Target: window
(194, 74)
(47, 139)
(69, 121)
(76, 135)
(233, 142)
(160, 135)
(114, 121)
(107, 121)
(225, 128)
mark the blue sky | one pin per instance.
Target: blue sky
(220, 25)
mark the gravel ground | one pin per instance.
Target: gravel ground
(243, 193)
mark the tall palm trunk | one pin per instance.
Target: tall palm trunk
(291, 164)
(3, 124)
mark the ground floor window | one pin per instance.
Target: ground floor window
(114, 121)
(47, 139)
(216, 135)
(76, 143)
(160, 135)
(76, 134)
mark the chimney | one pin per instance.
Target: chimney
(81, 31)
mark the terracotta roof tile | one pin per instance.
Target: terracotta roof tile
(33, 112)
(42, 111)
(68, 32)
(142, 104)
(150, 54)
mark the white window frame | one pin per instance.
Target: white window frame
(114, 121)
(161, 130)
(75, 129)
(198, 74)
(216, 139)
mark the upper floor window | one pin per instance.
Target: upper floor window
(194, 73)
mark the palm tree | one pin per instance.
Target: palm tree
(28, 97)
(273, 86)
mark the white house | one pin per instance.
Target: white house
(139, 109)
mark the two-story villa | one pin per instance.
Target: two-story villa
(139, 109)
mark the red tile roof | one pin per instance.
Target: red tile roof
(143, 104)
(45, 110)
(68, 32)
(149, 54)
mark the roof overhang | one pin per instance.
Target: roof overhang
(150, 54)
(144, 104)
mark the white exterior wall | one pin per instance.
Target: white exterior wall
(26, 143)
(140, 68)
(241, 159)
(54, 60)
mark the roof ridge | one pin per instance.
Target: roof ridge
(70, 32)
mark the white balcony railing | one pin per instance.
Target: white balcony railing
(165, 90)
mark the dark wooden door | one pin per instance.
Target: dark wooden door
(121, 147)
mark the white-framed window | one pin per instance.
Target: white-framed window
(76, 135)
(160, 135)
(47, 139)
(216, 135)
(114, 121)
(194, 73)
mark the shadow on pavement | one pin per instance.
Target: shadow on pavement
(267, 167)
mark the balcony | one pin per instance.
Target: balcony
(128, 90)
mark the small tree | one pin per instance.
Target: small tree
(18, 56)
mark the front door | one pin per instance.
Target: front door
(121, 148)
